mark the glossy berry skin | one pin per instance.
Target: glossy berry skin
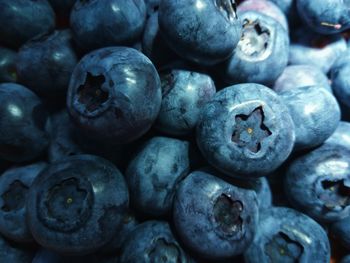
(62, 138)
(114, 95)
(326, 16)
(341, 79)
(184, 93)
(77, 205)
(45, 63)
(102, 23)
(318, 183)
(7, 65)
(262, 52)
(154, 173)
(308, 48)
(286, 235)
(296, 76)
(245, 130)
(265, 7)
(23, 19)
(341, 230)
(14, 187)
(153, 241)
(22, 123)
(315, 113)
(11, 252)
(205, 32)
(213, 218)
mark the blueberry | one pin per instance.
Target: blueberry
(22, 123)
(45, 63)
(341, 135)
(318, 183)
(184, 93)
(102, 23)
(315, 113)
(245, 130)
(296, 76)
(114, 94)
(77, 205)
(155, 171)
(153, 241)
(62, 142)
(265, 7)
(24, 19)
(10, 252)
(345, 259)
(341, 79)
(289, 9)
(341, 230)
(325, 16)
(14, 187)
(262, 52)
(8, 65)
(285, 235)
(152, 6)
(202, 31)
(213, 218)
(314, 49)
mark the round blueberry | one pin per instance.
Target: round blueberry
(102, 23)
(45, 63)
(184, 93)
(286, 235)
(153, 241)
(154, 173)
(203, 31)
(296, 76)
(77, 205)
(341, 80)
(114, 94)
(318, 183)
(14, 187)
(22, 124)
(245, 130)
(262, 52)
(341, 135)
(315, 113)
(213, 218)
(8, 65)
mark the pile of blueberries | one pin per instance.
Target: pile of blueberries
(174, 131)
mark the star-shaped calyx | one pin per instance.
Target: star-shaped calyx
(249, 130)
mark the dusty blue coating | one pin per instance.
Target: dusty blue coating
(263, 192)
(203, 31)
(77, 205)
(45, 63)
(102, 23)
(114, 95)
(10, 252)
(310, 48)
(340, 75)
(286, 235)
(214, 218)
(14, 186)
(315, 113)
(326, 16)
(22, 123)
(129, 223)
(184, 94)
(22, 19)
(296, 76)
(262, 52)
(341, 135)
(154, 173)
(217, 128)
(7, 65)
(288, 7)
(317, 183)
(341, 230)
(153, 241)
(345, 259)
